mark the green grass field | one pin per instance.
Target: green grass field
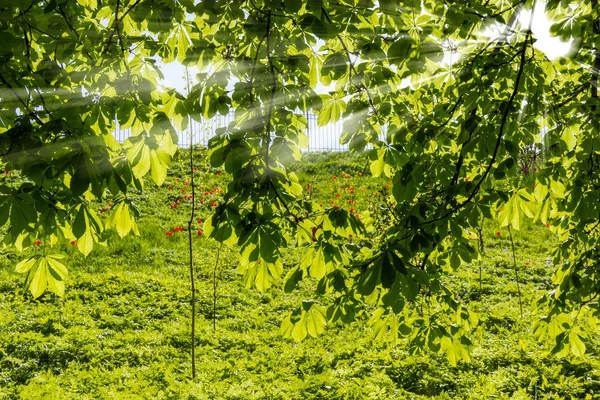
(122, 331)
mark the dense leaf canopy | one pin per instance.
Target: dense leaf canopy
(456, 139)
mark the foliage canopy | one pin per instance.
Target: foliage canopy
(452, 142)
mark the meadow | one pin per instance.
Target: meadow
(122, 330)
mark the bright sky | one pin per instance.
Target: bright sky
(553, 47)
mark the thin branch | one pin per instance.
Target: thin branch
(117, 23)
(596, 67)
(42, 32)
(190, 235)
(215, 287)
(514, 257)
(71, 28)
(29, 111)
(351, 65)
(26, 10)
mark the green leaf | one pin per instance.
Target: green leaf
(577, 345)
(331, 110)
(26, 265)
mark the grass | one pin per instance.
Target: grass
(122, 331)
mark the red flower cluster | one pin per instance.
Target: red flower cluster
(178, 229)
(169, 233)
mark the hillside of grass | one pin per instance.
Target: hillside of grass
(122, 330)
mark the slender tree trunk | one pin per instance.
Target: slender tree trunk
(190, 242)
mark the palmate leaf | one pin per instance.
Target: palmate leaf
(86, 228)
(331, 110)
(44, 272)
(309, 319)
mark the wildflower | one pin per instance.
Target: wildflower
(169, 233)
(182, 190)
(73, 243)
(6, 172)
(527, 264)
(218, 174)
(199, 221)
(170, 187)
(337, 195)
(498, 233)
(195, 168)
(199, 233)
(38, 242)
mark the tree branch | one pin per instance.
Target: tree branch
(351, 65)
(29, 111)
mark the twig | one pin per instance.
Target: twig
(29, 111)
(215, 288)
(351, 65)
(514, 257)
